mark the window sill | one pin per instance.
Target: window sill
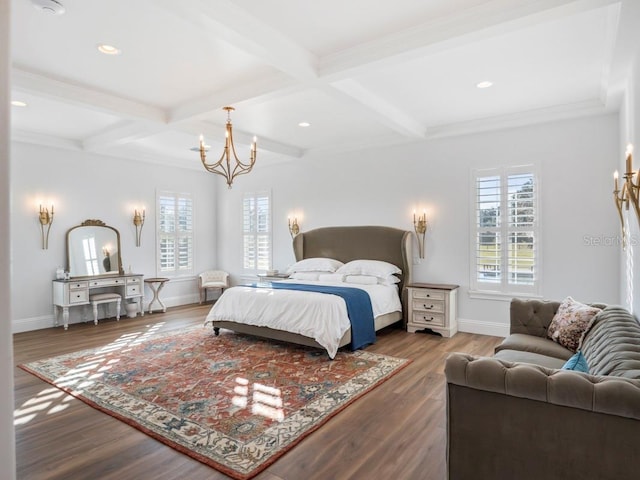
(500, 296)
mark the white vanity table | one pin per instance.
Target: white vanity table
(75, 292)
(94, 264)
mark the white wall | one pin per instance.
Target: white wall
(7, 437)
(383, 186)
(88, 186)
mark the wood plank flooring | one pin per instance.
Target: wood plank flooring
(395, 432)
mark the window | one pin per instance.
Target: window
(175, 233)
(505, 251)
(256, 228)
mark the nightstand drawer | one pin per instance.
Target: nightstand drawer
(428, 294)
(427, 319)
(428, 305)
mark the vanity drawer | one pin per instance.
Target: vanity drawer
(106, 282)
(78, 296)
(133, 281)
(428, 305)
(133, 290)
(78, 285)
(428, 294)
(427, 319)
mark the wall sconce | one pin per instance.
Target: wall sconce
(629, 192)
(46, 219)
(138, 221)
(294, 228)
(420, 226)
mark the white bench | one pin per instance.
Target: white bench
(100, 298)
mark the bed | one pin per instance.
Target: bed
(345, 244)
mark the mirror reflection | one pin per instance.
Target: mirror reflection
(93, 249)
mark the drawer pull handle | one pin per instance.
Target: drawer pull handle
(427, 308)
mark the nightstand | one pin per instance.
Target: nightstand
(432, 306)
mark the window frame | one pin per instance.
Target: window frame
(177, 235)
(504, 290)
(255, 196)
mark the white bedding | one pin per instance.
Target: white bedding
(320, 316)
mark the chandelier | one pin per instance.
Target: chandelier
(223, 165)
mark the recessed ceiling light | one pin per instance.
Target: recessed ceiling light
(18, 103)
(109, 49)
(52, 7)
(485, 84)
(304, 124)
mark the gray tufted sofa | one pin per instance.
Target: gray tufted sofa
(517, 416)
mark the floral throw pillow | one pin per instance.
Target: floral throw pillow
(570, 323)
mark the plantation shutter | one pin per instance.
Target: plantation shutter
(256, 221)
(175, 233)
(505, 251)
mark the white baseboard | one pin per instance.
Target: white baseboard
(33, 323)
(47, 321)
(494, 329)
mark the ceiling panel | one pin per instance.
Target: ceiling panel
(58, 119)
(555, 63)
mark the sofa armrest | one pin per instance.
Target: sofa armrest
(516, 420)
(602, 394)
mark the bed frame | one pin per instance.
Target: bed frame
(345, 244)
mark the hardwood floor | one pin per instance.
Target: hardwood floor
(395, 432)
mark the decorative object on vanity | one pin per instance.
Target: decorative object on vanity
(278, 394)
(215, 279)
(294, 228)
(93, 249)
(223, 165)
(156, 284)
(432, 306)
(420, 227)
(46, 219)
(138, 221)
(630, 192)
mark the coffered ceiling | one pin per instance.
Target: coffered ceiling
(361, 72)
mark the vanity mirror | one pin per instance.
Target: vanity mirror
(93, 249)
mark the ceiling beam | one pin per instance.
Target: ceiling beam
(226, 21)
(121, 134)
(376, 106)
(91, 99)
(470, 25)
(214, 133)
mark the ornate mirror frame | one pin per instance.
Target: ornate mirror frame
(90, 250)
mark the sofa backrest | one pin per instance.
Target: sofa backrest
(612, 345)
(532, 317)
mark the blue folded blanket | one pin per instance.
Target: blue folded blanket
(358, 303)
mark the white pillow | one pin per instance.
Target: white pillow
(315, 265)
(390, 280)
(377, 268)
(361, 279)
(331, 277)
(305, 275)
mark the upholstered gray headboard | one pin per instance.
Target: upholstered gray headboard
(363, 242)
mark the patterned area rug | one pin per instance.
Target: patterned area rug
(233, 402)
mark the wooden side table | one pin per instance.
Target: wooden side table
(156, 285)
(432, 306)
